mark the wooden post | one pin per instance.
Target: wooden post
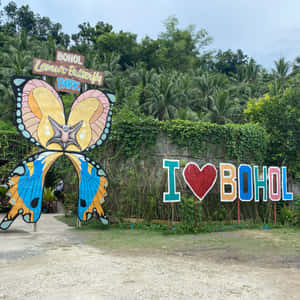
(275, 213)
(166, 146)
(173, 212)
(78, 223)
(195, 208)
(172, 204)
(238, 211)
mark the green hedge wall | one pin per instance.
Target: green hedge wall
(243, 143)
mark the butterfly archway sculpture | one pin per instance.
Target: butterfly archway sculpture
(41, 119)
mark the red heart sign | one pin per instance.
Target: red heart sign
(200, 181)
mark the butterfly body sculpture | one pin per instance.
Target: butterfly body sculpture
(40, 119)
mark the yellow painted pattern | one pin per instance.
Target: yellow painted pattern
(90, 167)
(83, 111)
(49, 160)
(76, 163)
(48, 105)
(34, 106)
(98, 199)
(30, 167)
(16, 201)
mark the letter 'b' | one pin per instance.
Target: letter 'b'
(228, 180)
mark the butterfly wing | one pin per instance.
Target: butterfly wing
(92, 186)
(37, 104)
(26, 188)
(93, 109)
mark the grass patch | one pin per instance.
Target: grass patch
(246, 241)
(70, 220)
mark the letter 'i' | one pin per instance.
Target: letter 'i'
(171, 195)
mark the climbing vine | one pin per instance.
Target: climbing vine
(135, 137)
(12, 150)
(11, 146)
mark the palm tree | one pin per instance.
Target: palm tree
(206, 85)
(296, 65)
(45, 49)
(187, 114)
(7, 103)
(187, 91)
(17, 59)
(281, 70)
(17, 62)
(111, 68)
(162, 96)
(110, 63)
(140, 77)
(221, 109)
(247, 72)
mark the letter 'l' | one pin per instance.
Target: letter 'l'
(285, 194)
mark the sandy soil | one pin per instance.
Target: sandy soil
(54, 263)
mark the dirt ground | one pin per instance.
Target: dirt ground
(56, 263)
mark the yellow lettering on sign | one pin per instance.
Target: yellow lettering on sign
(36, 66)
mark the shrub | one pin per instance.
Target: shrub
(187, 213)
(48, 204)
(4, 206)
(287, 216)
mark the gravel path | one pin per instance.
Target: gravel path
(54, 263)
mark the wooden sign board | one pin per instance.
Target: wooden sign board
(68, 70)
(69, 58)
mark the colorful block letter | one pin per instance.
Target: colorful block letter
(227, 180)
(171, 195)
(274, 184)
(285, 194)
(260, 184)
(245, 186)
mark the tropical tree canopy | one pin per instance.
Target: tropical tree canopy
(173, 76)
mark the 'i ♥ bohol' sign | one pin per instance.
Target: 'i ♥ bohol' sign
(244, 182)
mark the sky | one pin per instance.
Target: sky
(264, 29)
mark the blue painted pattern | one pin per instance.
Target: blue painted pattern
(30, 187)
(88, 187)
